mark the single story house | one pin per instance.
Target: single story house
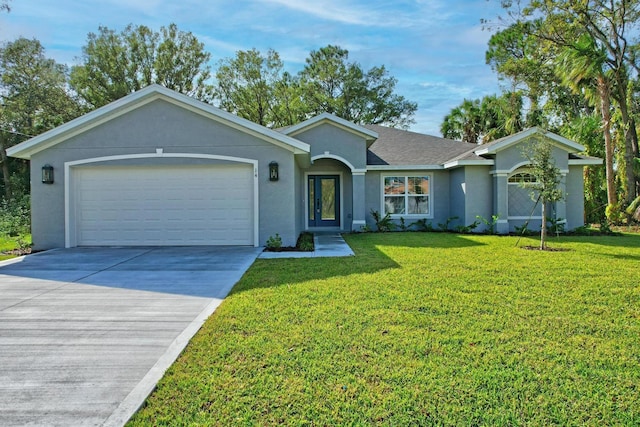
(160, 168)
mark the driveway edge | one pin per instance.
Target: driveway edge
(139, 394)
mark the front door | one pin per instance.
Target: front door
(324, 200)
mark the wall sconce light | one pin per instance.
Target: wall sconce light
(47, 174)
(273, 171)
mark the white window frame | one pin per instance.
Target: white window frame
(521, 171)
(406, 176)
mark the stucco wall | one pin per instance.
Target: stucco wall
(575, 197)
(512, 157)
(457, 200)
(337, 141)
(439, 193)
(175, 130)
(479, 198)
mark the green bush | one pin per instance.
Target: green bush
(305, 242)
(383, 223)
(15, 216)
(274, 242)
(422, 225)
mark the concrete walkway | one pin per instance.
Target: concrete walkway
(86, 333)
(326, 245)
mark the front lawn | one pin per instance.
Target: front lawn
(420, 329)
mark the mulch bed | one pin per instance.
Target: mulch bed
(547, 249)
(285, 249)
(17, 252)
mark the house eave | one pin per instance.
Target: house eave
(565, 143)
(341, 123)
(403, 167)
(138, 99)
(585, 162)
(462, 163)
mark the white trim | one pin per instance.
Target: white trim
(328, 155)
(523, 217)
(430, 215)
(584, 162)
(140, 98)
(403, 167)
(512, 173)
(501, 172)
(306, 197)
(460, 163)
(358, 172)
(518, 166)
(502, 221)
(69, 242)
(368, 135)
(358, 224)
(513, 139)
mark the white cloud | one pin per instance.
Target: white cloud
(435, 48)
(341, 11)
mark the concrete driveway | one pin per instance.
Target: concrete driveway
(86, 333)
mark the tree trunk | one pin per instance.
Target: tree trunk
(630, 139)
(605, 110)
(5, 170)
(543, 227)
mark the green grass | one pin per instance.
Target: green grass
(8, 244)
(420, 329)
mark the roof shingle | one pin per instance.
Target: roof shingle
(398, 147)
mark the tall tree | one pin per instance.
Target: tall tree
(484, 120)
(330, 83)
(610, 24)
(582, 68)
(501, 115)
(116, 64)
(34, 97)
(464, 122)
(252, 86)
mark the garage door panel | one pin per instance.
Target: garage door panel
(202, 205)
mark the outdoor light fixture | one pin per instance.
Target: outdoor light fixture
(273, 171)
(47, 174)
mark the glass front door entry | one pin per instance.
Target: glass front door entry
(324, 200)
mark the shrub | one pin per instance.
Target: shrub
(274, 242)
(383, 223)
(422, 225)
(491, 225)
(305, 242)
(445, 226)
(466, 229)
(556, 225)
(522, 231)
(15, 216)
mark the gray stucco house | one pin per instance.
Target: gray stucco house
(160, 168)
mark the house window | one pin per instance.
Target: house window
(407, 195)
(522, 177)
(520, 203)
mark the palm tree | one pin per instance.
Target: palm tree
(464, 122)
(582, 68)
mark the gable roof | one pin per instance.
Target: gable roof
(142, 97)
(503, 143)
(323, 118)
(396, 147)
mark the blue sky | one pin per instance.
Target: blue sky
(435, 48)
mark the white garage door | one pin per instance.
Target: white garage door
(195, 205)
